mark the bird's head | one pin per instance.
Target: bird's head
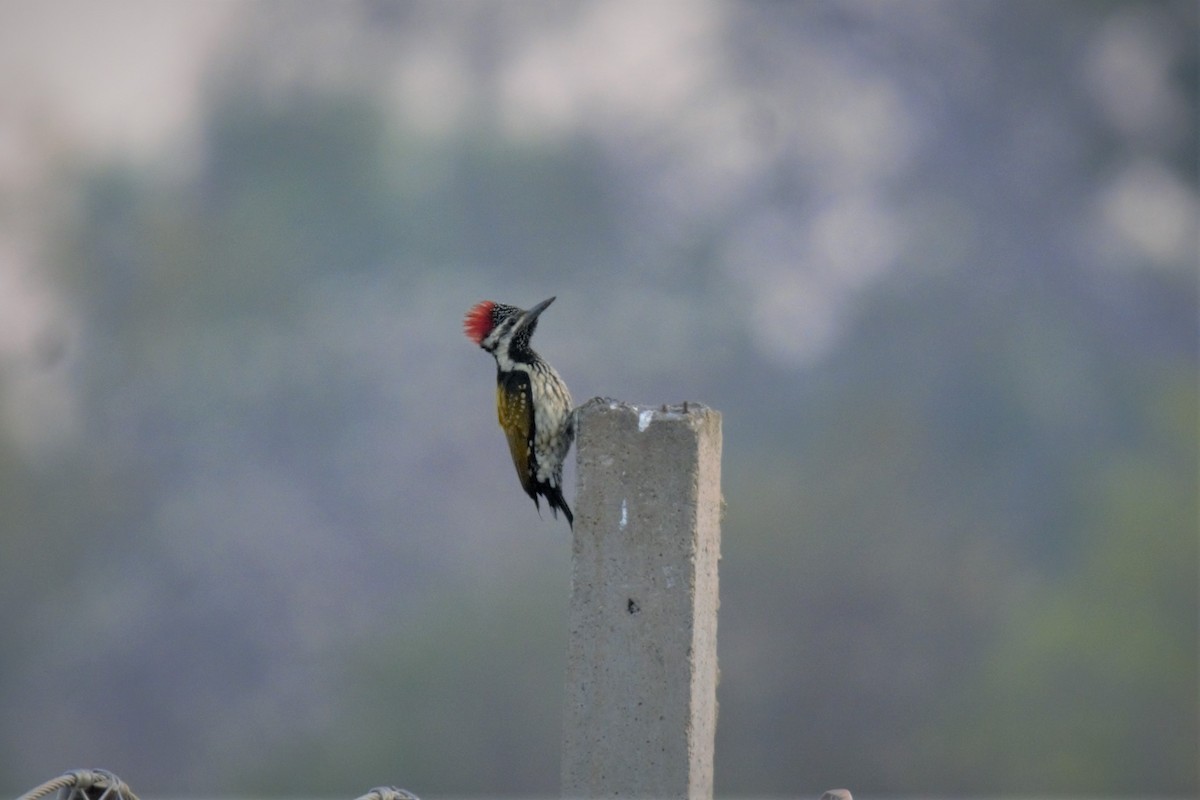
(503, 330)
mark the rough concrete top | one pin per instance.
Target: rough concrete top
(645, 415)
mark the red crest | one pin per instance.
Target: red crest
(477, 324)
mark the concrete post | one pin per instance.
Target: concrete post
(641, 706)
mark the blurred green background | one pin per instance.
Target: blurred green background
(935, 262)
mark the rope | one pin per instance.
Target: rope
(76, 785)
(83, 784)
(389, 793)
(48, 787)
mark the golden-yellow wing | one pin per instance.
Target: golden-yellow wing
(515, 408)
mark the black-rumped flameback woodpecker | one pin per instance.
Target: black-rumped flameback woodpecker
(531, 399)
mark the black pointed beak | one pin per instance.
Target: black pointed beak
(529, 319)
(532, 313)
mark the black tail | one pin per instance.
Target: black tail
(554, 498)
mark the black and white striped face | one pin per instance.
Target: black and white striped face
(504, 333)
(504, 330)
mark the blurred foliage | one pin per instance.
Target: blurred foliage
(463, 698)
(284, 553)
(1090, 684)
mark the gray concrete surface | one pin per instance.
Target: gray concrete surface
(641, 708)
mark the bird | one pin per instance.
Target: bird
(532, 401)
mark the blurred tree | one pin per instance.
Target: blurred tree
(1091, 685)
(462, 697)
(960, 547)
